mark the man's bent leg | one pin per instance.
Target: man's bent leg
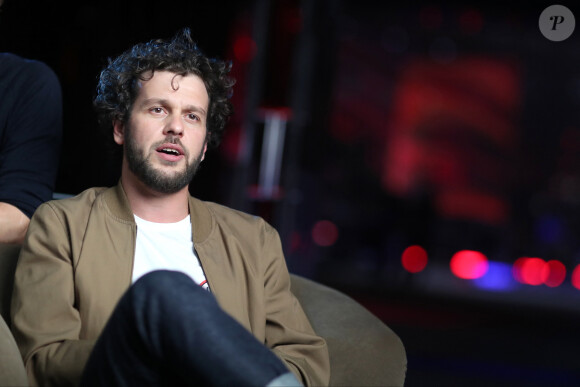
(167, 330)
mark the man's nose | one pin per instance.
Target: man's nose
(174, 125)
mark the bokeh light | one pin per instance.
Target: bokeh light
(244, 48)
(414, 259)
(576, 277)
(498, 278)
(531, 271)
(554, 273)
(469, 264)
(324, 233)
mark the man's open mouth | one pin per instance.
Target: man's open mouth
(170, 149)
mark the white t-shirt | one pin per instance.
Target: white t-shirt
(166, 246)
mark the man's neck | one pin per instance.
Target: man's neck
(154, 206)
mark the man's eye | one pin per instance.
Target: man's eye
(157, 110)
(193, 117)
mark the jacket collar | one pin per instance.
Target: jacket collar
(202, 221)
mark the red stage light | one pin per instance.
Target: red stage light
(324, 233)
(517, 269)
(468, 264)
(554, 273)
(414, 259)
(576, 277)
(530, 271)
(244, 48)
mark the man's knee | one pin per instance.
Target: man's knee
(167, 288)
(160, 279)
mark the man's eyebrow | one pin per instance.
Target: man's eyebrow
(196, 109)
(164, 102)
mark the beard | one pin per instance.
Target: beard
(140, 164)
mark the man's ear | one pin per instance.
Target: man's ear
(118, 132)
(203, 152)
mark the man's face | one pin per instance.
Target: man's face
(165, 136)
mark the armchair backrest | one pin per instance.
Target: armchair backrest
(363, 350)
(12, 371)
(8, 259)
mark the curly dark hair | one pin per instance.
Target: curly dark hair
(117, 87)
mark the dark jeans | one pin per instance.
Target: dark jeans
(168, 331)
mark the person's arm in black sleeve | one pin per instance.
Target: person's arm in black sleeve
(29, 144)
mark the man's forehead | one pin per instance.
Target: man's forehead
(171, 79)
(163, 84)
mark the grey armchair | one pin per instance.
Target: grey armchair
(363, 351)
(12, 371)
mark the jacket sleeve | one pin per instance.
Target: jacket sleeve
(288, 331)
(45, 322)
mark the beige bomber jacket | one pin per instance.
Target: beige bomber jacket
(77, 261)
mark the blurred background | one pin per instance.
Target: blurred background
(422, 157)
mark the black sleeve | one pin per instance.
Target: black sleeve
(30, 133)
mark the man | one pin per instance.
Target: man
(128, 265)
